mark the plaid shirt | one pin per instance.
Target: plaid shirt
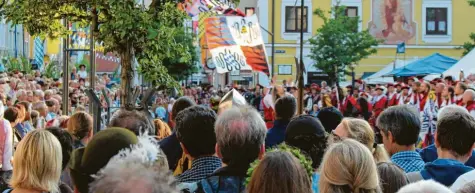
(410, 161)
(200, 169)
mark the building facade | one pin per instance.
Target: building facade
(426, 26)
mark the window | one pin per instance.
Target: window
(293, 19)
(285, 69)
(249, 11)
(351, 11)
(436, 21)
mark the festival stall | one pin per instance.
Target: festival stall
(434, 64)
(378, 77)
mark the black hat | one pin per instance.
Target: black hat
(81, 65)
(304, 125)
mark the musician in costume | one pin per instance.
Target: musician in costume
(439, 88)
(469, 101)
(414, 94)
(314, 96)
(392, 95)
(448, 95)
(379, 103)
(428, 112)
(403, 97)
(347, 103)
(460, 88)
(363, 109)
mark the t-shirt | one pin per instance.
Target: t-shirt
(6, 138)
(82, 74)
(462, 180)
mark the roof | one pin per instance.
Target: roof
(106, 63)
(433, 64)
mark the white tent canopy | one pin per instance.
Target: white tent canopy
(377, 78)
(467, 64)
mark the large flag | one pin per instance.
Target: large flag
(39, 52)
(236, 43)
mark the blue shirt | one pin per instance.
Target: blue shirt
(315, 180)
(276, 134)
(409, 161)
(200, 169)
(429, 154)
(160, 112)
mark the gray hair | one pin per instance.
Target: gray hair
(450, 109)
(240, 133)
(404, 123)
(472, 92)
(134, 121)
(428, 186)
(20, 93)
(142, 168)
(39, 93)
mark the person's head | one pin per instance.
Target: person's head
(66, 141)
(400, 126)
(51, 103)
(80, 126)
(415, 86)
(285, 107)
(425, 186)
(455, 133)
(348, 166)
(37, 162)
(13, 115)
(82, 67)
(41, 108)
(284, 168)
(29, 96)
(87, 161)
(162, 129)
(306, 133)
(379, 91)
(48, 94)
(141, 174)
(35, 115)
(195, 131)
(38, 95)
(468, 96)
(424, 88)
(315, 107)
(439, 88)
(448, 92)
(390, 88)
(179, 105)
(330, 118)
(326, 101)
(361, 131)
(460, 88)
(324, 84)
(21, 95)
(467, 188)
(134, 121)
(392, 177)
(25, 109)
(240, 134)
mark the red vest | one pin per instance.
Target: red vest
(379, 106)
(470, 106)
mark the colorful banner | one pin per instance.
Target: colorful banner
(236, 43)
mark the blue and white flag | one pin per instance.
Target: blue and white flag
(39, 52)
(401, 48)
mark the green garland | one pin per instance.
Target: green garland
(306, 162)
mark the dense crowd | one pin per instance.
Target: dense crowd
(410, 136)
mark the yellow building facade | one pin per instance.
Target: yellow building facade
(426, 26)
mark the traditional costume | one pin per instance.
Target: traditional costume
(428, 113)
(470, 106)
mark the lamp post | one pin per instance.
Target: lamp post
(352, 67)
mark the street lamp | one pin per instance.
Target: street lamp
(352, 67)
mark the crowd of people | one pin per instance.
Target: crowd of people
(410, 136)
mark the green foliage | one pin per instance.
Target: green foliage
(470, 45)
(337, 44)
(125, 27)
(52, 70)
(305, 161)
(21, 64)
(181, 68)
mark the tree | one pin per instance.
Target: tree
(180, 70)
(469, 46)
(337, 44)
(124, 27)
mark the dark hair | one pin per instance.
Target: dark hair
(451, 92)
(285, 107)
(195, 130)
(12, 114)
(363, 103)
(392, 177)
(404, 123)
(456, 132)
(463, 86)
(50, 102)
(449, 78)
(330, 118)
(311, 145)
(284, 168)
(66, 142)
(181, 104)
(134, 121)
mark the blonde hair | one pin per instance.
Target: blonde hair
(348, 167)
(361, 131)
(163, 130)
(37, 161)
